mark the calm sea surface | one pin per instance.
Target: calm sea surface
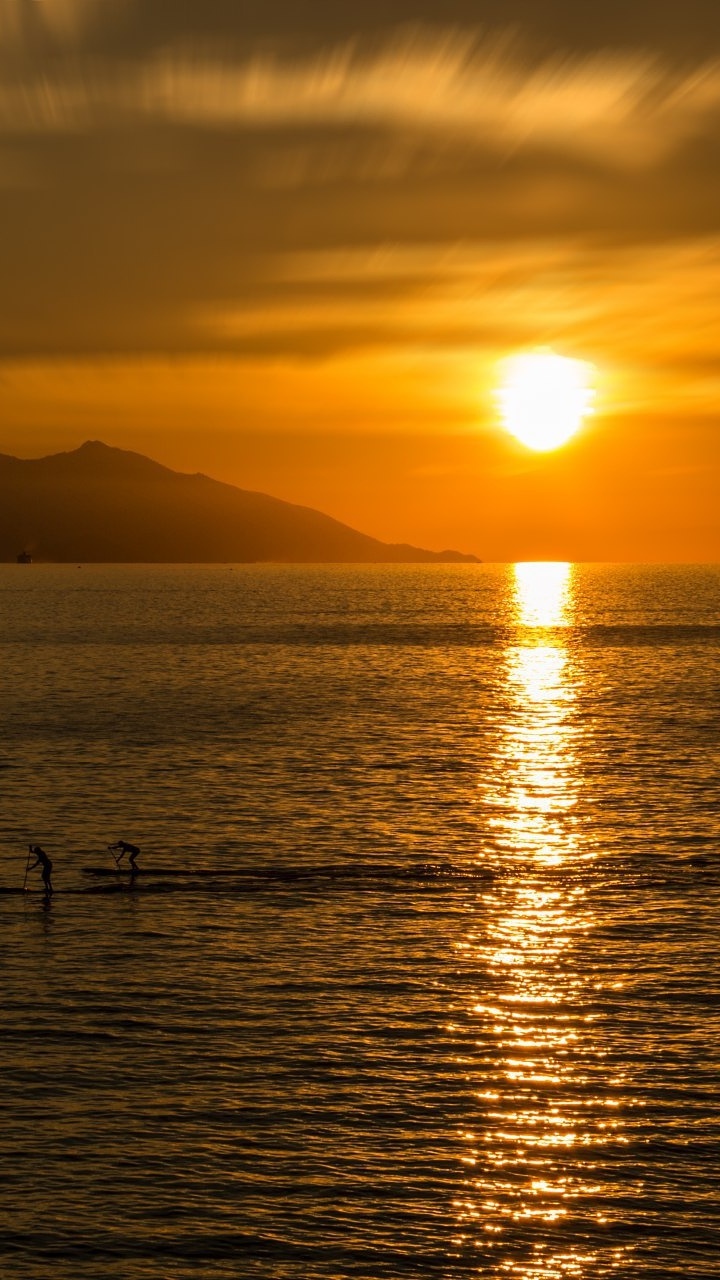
(435, 990)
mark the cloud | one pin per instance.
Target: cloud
(629, 109)
(611, 303)
(21, 21)
(435, 190)
(68, 17)
(623, 109)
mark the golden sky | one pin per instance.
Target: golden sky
(289, 245)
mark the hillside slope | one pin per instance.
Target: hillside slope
(105, 505)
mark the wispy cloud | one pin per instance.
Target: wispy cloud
(21, 20)
(629, 109)
(612, 304)
(68, 17)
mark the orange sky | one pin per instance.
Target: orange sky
(291, 252)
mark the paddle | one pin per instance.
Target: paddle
(27, 868)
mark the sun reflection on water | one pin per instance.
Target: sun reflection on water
(542, 1121)
(533, 789)
(542, 593)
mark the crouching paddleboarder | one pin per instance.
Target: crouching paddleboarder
(120, 848)
(42, 860)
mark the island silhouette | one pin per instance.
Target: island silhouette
(99, 504)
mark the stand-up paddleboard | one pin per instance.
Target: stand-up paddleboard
(112, 871)
(39, 894)
(179, 872)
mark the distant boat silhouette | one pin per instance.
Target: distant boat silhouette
(24, 557)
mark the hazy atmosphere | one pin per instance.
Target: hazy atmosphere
(290, 246)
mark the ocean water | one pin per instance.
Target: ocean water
(434, 988)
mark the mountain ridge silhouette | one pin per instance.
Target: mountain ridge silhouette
(101, 504)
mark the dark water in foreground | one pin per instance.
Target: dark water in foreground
(457, 1013)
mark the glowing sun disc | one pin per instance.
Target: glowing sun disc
(543, 398)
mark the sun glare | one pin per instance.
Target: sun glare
(543, 398)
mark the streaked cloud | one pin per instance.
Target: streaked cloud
(68, 17)
(621, 109)
(21, 21)
(475, 199)
(496, 296)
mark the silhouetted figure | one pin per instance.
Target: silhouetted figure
(42, 860)
(131, 849)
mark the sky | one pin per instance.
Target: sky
(290, 245)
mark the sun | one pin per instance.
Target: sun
(544, 398)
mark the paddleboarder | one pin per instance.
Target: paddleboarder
(123, 847)
(42, 860)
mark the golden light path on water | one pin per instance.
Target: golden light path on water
(541, 1119)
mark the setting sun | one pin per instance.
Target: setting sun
(544, 398)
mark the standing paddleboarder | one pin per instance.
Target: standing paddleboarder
(124, 847)
(42, 860)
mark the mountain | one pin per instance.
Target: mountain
(105, 505)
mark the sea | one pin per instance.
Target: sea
(419, 977)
